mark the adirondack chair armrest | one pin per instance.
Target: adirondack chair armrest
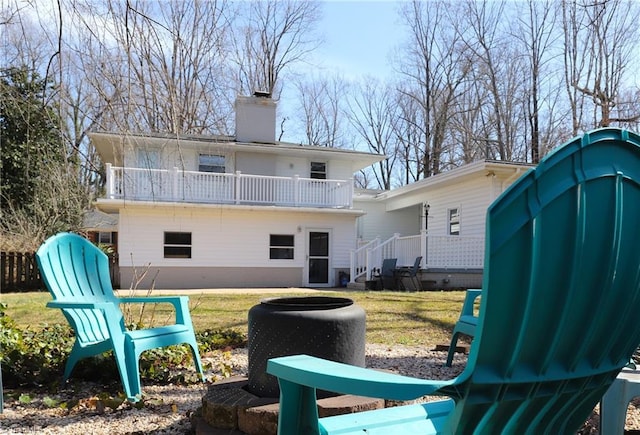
(180, 304)
(80, 305)
(316, 373)
(469, 301)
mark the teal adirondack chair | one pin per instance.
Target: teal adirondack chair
(557, 322)
(76, 273)
(466, 323)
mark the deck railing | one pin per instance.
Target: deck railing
(237, 188)
(446, 252)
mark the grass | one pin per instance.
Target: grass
(413, 319)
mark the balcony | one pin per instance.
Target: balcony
(175, 185)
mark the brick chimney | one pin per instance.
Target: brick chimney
(256, 118)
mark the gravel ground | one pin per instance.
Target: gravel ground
(167, 408)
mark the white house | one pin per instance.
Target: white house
(231, 211)
(441, 218)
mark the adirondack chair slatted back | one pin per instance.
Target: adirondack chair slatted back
(75, 269)
(561, 290)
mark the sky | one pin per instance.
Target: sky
(359, 36)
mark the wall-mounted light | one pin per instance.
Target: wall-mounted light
(299, 229)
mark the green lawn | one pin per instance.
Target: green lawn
(415, 319)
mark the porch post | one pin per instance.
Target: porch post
(296, 190)
(109, 181)
(424, 248)
(174, 183)
(237, 193)
(352, 265)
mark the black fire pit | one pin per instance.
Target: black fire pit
(326, 327)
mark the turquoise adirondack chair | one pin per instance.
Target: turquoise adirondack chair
(557, 322)
(466, 323)
(76, 273)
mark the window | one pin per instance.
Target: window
(211, 163)
(177, 245)
(318, 170)
(281, 247)
(454, 221)
(104, 238)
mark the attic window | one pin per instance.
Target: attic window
(211, 163)
(318, 170)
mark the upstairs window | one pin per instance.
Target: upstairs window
(177, 245)
(281, 247)
(211, 163)
(454, 221)
(318, 170)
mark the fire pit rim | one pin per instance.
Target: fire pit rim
(307, 302)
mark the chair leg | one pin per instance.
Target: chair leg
(452, 348)
(196, 360)
(418, 283)
(613, 409)
(72, 360)
(128, 367)
(298, 409)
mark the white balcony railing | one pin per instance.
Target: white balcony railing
(207, 187)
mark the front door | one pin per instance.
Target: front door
(318, 258)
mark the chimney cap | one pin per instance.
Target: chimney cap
(262, 94)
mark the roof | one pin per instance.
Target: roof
(108, 145)
(455, 175)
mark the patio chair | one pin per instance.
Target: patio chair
(411, 273)
(557, 322)
(466, 323)
(77, 275)
(386, 275)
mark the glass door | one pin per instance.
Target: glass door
(318, 258)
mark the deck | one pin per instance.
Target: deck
(177, 185)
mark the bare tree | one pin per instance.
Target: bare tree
(535, 30)
(600, 40)
(277, 34)
(373, 112)
(157, 66)
(434, 68)
(321, 101)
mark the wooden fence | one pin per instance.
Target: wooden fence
(20, 272)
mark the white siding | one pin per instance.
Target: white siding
(223, 237)
(471, 197)
(257, 164)
(289, 166)
(379, 223)
(339, 170)
(472, 194)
